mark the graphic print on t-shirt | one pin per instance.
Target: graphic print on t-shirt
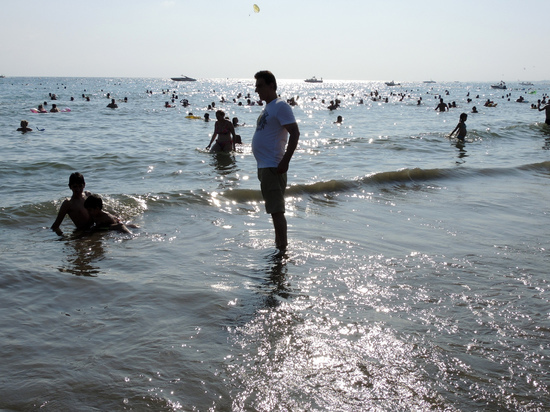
(262, 120)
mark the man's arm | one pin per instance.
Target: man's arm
(63, 210)
(294, 135)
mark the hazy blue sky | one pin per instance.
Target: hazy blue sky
(401, 40)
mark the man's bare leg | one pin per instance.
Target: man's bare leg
(280, 225)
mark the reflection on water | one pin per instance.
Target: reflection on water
(276, 283)
(83, 254)
(224, 163)
(462, 154)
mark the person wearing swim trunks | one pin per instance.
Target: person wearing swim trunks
(275, 126)
(225, 133)
(547, 109)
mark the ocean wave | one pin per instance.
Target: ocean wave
(127, 206)
(386, 180)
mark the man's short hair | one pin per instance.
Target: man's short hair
(76, 178)
(268, 77)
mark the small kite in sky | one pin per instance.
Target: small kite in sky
(256, 8)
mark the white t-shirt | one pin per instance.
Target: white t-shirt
(270, 138)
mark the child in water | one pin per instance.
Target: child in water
(74, 206)
(103, 220)
(460, 127)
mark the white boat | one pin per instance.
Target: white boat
(501, 85)
(429, 81)
(526, 83)
(314, 80)
(392, 83)
(2, 76)
(183, 79)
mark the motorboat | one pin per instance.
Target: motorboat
(501, 85)
(392, 83)
(526, 83)
(429, 81)
(314, 80)
(183, 79)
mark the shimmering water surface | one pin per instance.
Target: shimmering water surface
(416, 277)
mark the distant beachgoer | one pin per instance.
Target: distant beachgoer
(41, 109)
(112, 105)
(547, 109)
(339, 120)
(474, 110)
(441, 106)
(102, 220)
(225, 133)
(167, 104)
(24, 127)
(460, 127)
(206, 117)
(74, 207)
(235, 121)
(54, 109)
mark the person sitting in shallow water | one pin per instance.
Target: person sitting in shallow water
(112, 105)
(339, 120)
(103, 220)
(24, 127)
(41, 109)
(54, 109)
(474, 110)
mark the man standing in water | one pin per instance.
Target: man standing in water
(547, 109)
(275, 126)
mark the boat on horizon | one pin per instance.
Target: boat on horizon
(183, 79)
(429, 81)
(314, 80)
(526, 83)
(392, 83)
(2, 76)
(501, 85)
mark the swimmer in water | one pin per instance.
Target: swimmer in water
(24, 127)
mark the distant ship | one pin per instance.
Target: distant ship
(501, 85)
(183, 79)
(2, 76)
(526, 84)
(314, 80)
(429, 81)
(392, 83)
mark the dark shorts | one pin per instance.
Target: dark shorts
(273, 186)
(547, 121)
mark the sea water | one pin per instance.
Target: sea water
(416, 276)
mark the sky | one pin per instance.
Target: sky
(401, 40)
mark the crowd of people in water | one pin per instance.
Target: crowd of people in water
(224, 137)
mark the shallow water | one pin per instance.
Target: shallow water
(416, 276)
